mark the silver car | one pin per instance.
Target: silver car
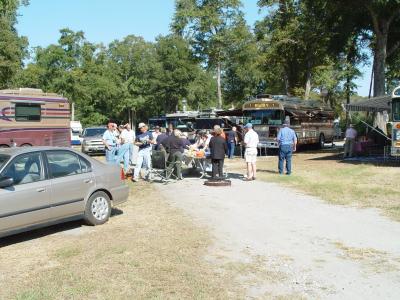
(41, 186)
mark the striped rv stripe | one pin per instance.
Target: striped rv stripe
(33, 129)
(10, 98)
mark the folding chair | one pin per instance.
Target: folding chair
(160, 168)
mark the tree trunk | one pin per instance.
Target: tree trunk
(379, 62)
(219, 93)
(348, 91)
(308, 83)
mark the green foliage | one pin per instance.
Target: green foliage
(12, 46)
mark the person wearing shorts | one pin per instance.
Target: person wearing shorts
(250, 155)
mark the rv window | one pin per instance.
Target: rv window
(27, 112)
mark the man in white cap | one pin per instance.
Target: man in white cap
(250, 142)
(144, 141)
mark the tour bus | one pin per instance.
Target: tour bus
(312, 122)
(30, 117)
(395, 149)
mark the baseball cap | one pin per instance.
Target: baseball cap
(248, 125)
(141, 124)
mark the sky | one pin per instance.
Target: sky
(105, 20)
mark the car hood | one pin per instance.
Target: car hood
(93, 138)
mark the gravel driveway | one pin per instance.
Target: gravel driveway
(282, 243)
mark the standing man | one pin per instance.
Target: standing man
(232, 141)
(144, 141)
(250, 142)
(161, 137)
(126, 149)
(350, 138)
(110, 143)
(156, 132)
(174, 147)
(170, 129)
(218, 148)
(287, 142)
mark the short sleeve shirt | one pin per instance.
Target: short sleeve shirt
(110, 138)
(145, 139)
(127, 136)
(251, 139)
(286, 136)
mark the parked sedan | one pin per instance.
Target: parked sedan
(41, 186)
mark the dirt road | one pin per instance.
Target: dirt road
(282, 243)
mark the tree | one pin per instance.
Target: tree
(12, 46)
(206, 23)
(383, 22)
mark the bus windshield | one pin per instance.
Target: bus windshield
(264, 117)
(156, 122)
(396, 109)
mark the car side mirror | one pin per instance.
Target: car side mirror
(6, 182)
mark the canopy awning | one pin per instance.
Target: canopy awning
(375, 104)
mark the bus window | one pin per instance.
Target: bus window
(27, 112)
(265, 117)
(396, 109)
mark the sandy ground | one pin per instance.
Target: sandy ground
(293, 245)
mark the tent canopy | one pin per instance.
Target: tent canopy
(375, 104)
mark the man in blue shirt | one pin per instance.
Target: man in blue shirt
(287, 141)
(110, 143)
(144, 141)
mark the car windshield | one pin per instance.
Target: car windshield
(94, 131)
(3, 159)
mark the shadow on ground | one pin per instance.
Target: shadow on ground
(41, 232)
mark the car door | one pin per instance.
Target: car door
(71, 182)
(27, 201)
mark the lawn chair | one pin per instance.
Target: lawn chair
(160, 167)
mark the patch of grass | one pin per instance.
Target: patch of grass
(150, 250)
(65, 253)
(374, 260)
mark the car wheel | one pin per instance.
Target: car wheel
(98, 209)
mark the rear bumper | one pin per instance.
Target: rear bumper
(120, 194)
(268, 144)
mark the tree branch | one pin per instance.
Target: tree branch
(394, 16)
(374, 18)
(393, 48)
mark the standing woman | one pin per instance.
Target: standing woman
(218, 148)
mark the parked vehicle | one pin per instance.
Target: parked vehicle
(312, 121)
(395, 148)
(92, 140)
(41, 186)
(76, 132)
(30, 117)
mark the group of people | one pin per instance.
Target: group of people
(119, 144)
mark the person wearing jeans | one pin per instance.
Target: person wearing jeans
(110, 143)
(287, 141)
(144, 142)
(231, 141)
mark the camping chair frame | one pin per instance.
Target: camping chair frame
(161, 168)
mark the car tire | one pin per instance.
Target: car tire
(98, 209)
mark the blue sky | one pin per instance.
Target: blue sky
(105, 20)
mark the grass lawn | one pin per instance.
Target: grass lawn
(147, 251)
(325, 175)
